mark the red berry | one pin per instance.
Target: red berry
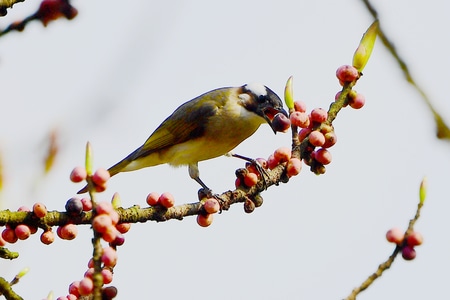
(294, 166)
(73, 288)
(304, 132)
(408, 253)
(316, 138)
(211, 206)
(87, 204)
(101, 176)
(109, 292)
(281, 123)
(319, 115)
(78, 174)
(68, 232)
(357, 102)
(272, 162)
(204, 220)
(282, 154)
(104, 207)
(414, 239)
(107, 276)
(9, 235)
(39, 210)
(110, 234)
(250, 179)
(167, 200)
(152, 199)
(101, 223)
(300, 106)
(395, 235)
(347, 73)
(22, 231)
(330, 139)
(47, 237)
(323, 156)
(300, 119)
(86, 286)
(109, 257)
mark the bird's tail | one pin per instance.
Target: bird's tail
(117, 168)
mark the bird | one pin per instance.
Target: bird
(205, 127)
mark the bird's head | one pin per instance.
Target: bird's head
(262, 101)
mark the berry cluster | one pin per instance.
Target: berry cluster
(406, 243)
(313, 126)
(22, 232)
(347, 74)
(85, 286)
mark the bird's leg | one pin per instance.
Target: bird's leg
(256, 164)
(194, 173)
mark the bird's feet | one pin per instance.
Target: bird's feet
(255, 163)
(208, 193)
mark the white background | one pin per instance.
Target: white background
(118, 69)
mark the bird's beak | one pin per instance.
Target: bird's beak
(270, 112)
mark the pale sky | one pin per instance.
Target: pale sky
(111, 75)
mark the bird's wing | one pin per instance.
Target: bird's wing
(187, 122)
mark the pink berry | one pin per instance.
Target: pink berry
(281, 123)
(347, 73)
(294, 166)
(272, 162)
(24, 208)
(408, 253)
(22, 232)
(323, 156)
(114, 217)
(73, 288)
(104, 207)
(107, 276)
(357, 102)
(152, 199)
(167, 200)
(123, 227)
(262, 162)
(87, 204)
(316, 138)
(300, 119)
(86, 286)
(282, 154)
(101, 223)
(304, 132)
(319, 115)
(211, 206)
(47, 237)
(414, 239)
(39, 210)
(204, 220)
(69, 232)
(72, 297)
(100, 177)
(300, 106)
(109, 257)
(78, 174)
(395, 235)
(9, 235)
(250, 179)
(330, 139)
(110, 234)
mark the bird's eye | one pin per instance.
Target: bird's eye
(261, 99)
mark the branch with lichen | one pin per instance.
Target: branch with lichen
(311, 134)
(402, 243)
(442, 130)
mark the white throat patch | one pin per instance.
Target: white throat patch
(257, 89)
